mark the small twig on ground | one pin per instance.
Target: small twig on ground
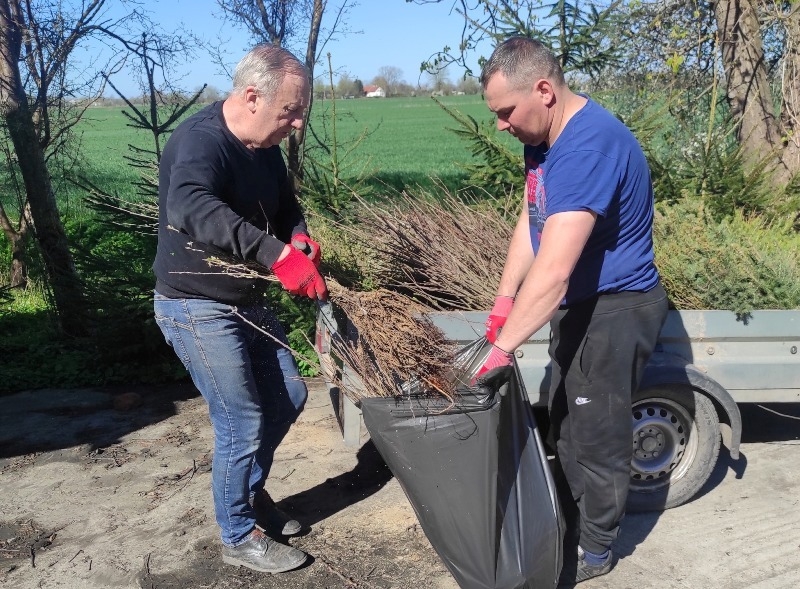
(298, 457)
(50, 537)
(349, 580)
(191, 469)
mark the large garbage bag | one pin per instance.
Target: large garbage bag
(477, 477)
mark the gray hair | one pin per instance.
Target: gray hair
(265, 66)
(522, 61)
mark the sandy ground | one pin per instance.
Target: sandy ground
(97, 494)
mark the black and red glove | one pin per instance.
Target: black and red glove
(497, 317)
(308, 246)
(496, 367)
(299, 276)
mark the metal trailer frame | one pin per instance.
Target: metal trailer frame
(705, 363)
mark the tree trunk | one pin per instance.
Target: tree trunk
(295, 159)
(17, 237)
(19, 270)
(748, 90)
(790, 98)
(48, 229)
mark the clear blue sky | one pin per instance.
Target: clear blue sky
(381, 33)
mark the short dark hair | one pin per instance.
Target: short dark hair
(522, 61)
(264, 67)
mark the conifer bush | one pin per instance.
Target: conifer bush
(738, 264)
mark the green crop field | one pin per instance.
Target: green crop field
(405, 140)
(409, 138)
(394, 142)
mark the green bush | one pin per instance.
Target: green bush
(737, 263)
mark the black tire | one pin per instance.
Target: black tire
(676, 441)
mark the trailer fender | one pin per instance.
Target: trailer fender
(666, 369)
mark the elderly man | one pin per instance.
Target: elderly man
(224, 189)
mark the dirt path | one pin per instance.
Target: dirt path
(93, 496)
(742, 531)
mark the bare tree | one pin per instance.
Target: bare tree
(577, 31)
(663, 39)
(756, 43)
(392, 77)
(210, 94)
(380, 82)
(468, 85)
(43, 42)
(296, 139)
(283, 23)
(16, 232)
(440, 81)
(344, 86)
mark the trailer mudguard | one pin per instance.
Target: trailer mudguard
(666, 369)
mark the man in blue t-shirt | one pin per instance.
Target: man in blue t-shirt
(581, 257)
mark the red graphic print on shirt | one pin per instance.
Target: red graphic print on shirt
(537, 200)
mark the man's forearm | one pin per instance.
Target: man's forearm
(544, 287)
(519, 258)
(537, 301)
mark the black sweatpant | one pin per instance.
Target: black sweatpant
(600, 348)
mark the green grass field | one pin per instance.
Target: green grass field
(407, 140)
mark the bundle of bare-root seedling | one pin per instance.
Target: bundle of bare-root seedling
(416, 253)
(419, 252)
(387, 342)
(441, 250)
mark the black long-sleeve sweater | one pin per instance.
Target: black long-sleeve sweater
(216, 196)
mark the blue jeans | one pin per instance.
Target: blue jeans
(253, 390)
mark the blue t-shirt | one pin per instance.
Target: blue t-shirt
(597, 165)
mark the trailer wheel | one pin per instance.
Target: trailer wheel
(676, 441)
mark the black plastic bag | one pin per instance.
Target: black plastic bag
(477, 477)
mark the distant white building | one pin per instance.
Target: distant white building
(371, 91)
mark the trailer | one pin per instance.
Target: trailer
(705, 364)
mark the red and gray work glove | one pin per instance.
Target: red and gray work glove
(497, 367)
(299, 276)
(497, 318)
(308, 246)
